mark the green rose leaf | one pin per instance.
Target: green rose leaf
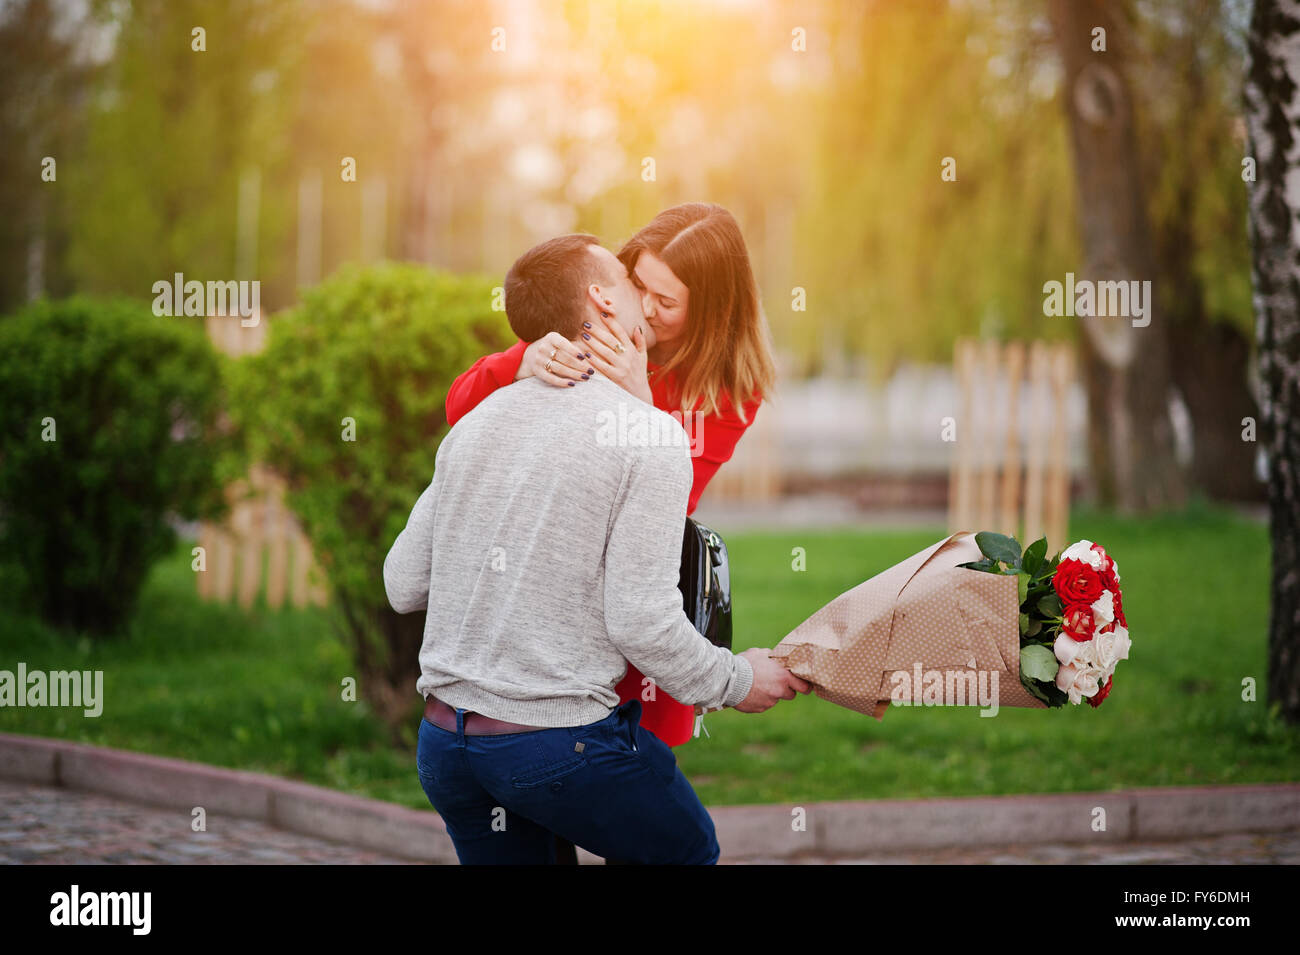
(1039, 663)
(999, 547)
(1050, 606)
(1034, 554)
(1022, 586)
(1034, 688)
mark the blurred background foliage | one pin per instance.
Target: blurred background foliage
(111, 428)
(829, 155)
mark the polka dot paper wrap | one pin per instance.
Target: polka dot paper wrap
(925, 612)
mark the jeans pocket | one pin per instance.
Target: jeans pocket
(657, 756)
(425, 752)
(629, 723)
(537, 776)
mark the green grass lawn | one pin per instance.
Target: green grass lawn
(260, 690)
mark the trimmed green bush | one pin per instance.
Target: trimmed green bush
(347, 404)
(108, 426)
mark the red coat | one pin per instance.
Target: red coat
(715, 437)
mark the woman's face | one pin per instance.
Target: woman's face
(664, 299)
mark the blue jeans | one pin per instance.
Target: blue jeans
(611, 787)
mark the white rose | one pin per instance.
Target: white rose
(1072, 652)
(1082, 550)
(1103, 609)
(1078, 683)
(1111, 648)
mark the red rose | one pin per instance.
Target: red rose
(1095, 700)
(1076, 582)
(1119, 609)
(1108, 574)
(1078, 623)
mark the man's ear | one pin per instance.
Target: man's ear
(596, 297)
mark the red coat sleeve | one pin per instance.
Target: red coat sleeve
(716, 442)
(481, 379)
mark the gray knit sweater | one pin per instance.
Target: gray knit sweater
(546, 551)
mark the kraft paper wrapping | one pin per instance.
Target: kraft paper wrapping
(925, 610)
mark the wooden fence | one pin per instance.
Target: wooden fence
(1010, 467)
(230, 335)
(260, 545)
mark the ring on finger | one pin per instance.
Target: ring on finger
(554, 351)
(547, 366)
(618, 347)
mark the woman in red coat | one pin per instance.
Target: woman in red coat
(706, 343)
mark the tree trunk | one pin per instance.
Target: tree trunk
(1272, 97)
(386, 651)
(1210, 359)
(1126, 369)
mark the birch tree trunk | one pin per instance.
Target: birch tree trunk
(1272, 101)
(1126, 368)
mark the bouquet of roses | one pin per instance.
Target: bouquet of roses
(1072, 627)
(933, 630)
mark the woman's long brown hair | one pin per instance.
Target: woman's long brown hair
(726, 345)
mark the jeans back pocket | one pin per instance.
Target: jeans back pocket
(544, 775)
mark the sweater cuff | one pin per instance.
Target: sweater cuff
(741, 683)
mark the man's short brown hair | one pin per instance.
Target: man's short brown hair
(546, 286)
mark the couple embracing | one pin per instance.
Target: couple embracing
(558, 665)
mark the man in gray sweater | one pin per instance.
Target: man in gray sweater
(546, 553)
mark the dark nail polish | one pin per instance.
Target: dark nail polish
(591, 371)
(585, 335)
(585, 376)
(604, 314)
(572, 383)
(586, 324)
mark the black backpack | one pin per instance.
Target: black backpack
(705, 583)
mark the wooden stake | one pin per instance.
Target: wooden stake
(1009, 510)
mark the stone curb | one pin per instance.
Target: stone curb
(182, 785)
(899, 825)
(745, 832)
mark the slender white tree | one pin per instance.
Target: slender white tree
(1272, 103)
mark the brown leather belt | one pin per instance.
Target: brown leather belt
(476, 724)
